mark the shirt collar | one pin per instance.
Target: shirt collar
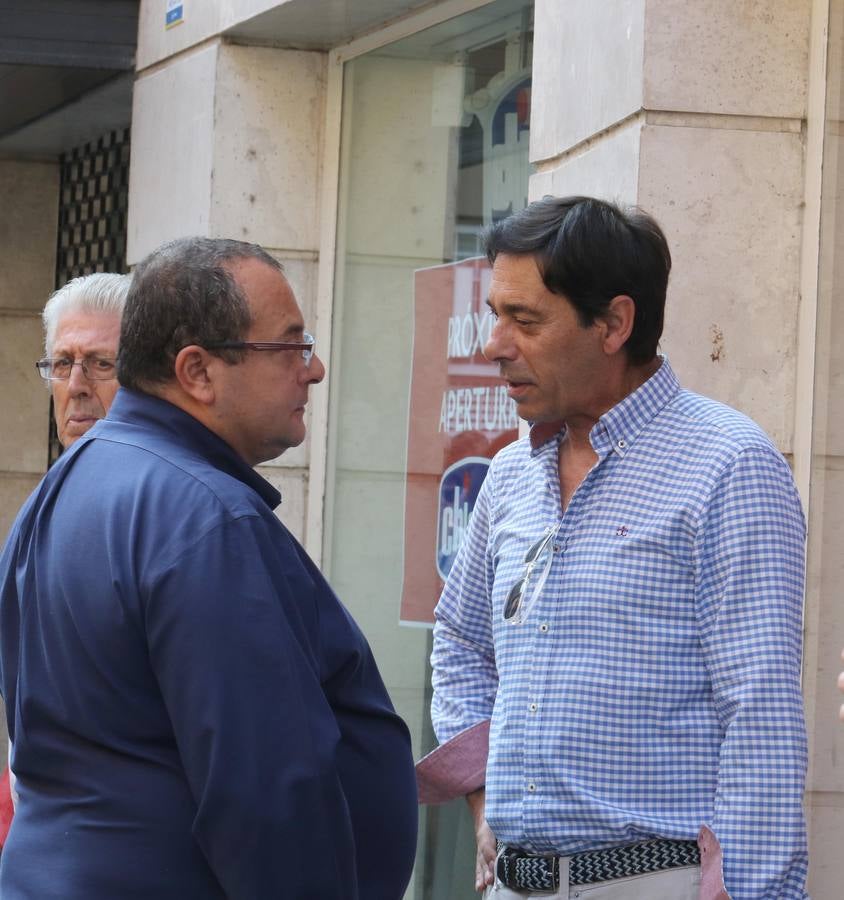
(173, 425)
(618, 428)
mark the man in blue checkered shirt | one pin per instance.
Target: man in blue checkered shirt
(625, 612)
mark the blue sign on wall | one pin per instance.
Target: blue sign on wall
(175, 13)
(459, 488)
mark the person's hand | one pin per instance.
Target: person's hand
(841, 688)
(485, 858)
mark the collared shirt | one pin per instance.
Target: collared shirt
(654, 685)
(193, 712)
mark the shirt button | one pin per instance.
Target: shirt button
(532, 707)
(621, 444)
(531, 787)
(544, 627)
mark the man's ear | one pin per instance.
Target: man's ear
(618, 322)
(193, 374)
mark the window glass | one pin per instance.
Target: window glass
(434, 147)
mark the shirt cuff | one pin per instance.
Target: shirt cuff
(455, 768)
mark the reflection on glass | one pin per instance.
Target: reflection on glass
(434, 147)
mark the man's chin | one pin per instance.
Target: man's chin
(290, 441)
(74, 430)
(537, 416)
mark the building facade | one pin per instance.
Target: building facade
(365, 143)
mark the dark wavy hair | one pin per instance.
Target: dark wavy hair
(590, 251)
(183, 293)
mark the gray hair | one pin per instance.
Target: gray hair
(100, 292)
(184, 293)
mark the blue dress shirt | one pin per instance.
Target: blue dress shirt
(654, 685)
(194, 714)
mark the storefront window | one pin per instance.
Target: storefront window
(434, 147)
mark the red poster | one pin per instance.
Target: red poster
(460, 416)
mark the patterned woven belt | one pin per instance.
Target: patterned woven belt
(522, 871)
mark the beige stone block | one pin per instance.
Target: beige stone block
(172, 153)
(825, 818)
(29, 196)
(268, 123)
(834, 63)
(24, 406)
(825, 622)
(608, 169)
(730, 202)
(14, 489)
(828, 424)
(301, 274)
(587, 70)
(293, 485)
(226, 143)
(720, 56)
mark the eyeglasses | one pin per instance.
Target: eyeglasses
(94, 368)
(521, 596)
(306, 346)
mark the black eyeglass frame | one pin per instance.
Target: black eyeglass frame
(44, 367)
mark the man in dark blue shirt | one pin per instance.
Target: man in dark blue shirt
(194, 714)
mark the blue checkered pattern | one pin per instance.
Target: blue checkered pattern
(655, 683)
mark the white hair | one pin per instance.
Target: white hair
(100, 292)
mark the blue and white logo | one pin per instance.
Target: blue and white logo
(174, 14)
(459, 488)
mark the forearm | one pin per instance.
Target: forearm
(750, 612)
(264, 841)
(758, 816)
(464, 676)
(465, 681)
(256, 736)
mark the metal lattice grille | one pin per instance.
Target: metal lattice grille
(94, 196)
(93, 199)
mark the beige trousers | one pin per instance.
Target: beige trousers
(670, 884)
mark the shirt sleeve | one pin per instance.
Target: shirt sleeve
(464, 676)
(750, 556)
(234, 650)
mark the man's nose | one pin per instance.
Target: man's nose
(315, 372)
(78, 382)
(500, 344)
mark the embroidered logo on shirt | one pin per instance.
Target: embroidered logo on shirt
(622, 531)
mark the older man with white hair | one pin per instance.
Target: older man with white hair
(81, 331)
